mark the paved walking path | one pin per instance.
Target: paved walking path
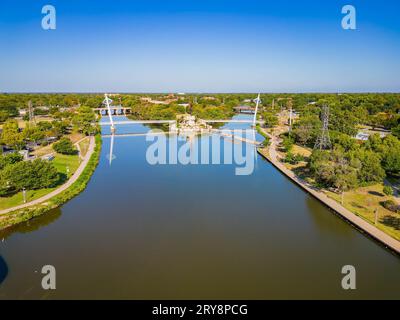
(79, 147)
(65, 186)
(345, 213)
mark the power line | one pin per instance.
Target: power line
(324, 141)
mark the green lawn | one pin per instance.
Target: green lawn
(60, 162)
(364, 201)
(84, 146)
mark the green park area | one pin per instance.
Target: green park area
(62, 163)
(41, 152)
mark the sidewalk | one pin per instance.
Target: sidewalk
(345, 213)
(65, 186)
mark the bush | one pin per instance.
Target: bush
(391, 206)
(287, 143)
(65, 146)
(293, 158)
(388, 190)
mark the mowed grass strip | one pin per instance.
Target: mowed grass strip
(61, 162)
(364, 201)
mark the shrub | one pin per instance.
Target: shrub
(64, 146)
(388, 190)
(287, 143)
(293, 158)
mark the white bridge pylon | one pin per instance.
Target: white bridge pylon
(258, 100)
(107, 102)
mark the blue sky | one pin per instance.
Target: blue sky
(199, 46)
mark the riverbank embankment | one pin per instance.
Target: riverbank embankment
(271, 155)
(75, 185)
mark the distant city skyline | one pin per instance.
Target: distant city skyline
(200, 47)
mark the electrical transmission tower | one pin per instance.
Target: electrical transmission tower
(324, 141)
(31, 113)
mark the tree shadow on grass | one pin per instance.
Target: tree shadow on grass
(391, 221)
(62, 178)
(3, 270)
(301, 172)
(356, 205)
(375, 193)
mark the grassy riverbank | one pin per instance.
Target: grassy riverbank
(265, 136)
(61, 163)
(77, 187)
(363, 201)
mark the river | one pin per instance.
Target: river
(142, 231)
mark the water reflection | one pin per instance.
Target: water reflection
(192, 232)
(324, 222)
(31, 225)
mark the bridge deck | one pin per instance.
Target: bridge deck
(173, 121)
(138, 122)
(232, 121)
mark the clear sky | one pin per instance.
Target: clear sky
(199, 46)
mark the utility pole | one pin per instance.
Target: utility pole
(290, 119)
(324, 141)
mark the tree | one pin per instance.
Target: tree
(4, 115)
(84, 120)
(344, 121)
(396, 131)
(10, 158)
(333, 170)
(271, 119)
(306, 129)
(32, 175)
(64, 146)
(287, 144)
(369, 168)
(34, 134)
(11, 136)
(391, 161)
(345, 179)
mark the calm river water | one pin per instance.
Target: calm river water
(198, 231)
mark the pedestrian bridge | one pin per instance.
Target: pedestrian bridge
(130, 122)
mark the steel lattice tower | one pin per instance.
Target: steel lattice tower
(31, 112)
(324, 141)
